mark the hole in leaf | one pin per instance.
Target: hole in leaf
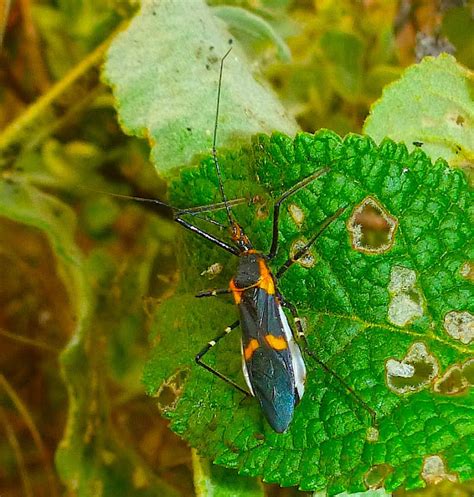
(170, 391)
(371, 227)
(261, 206)
(376, 475)
(414, 372)
(296, 214)
(467, 271)
(434, 471)
(212, 271)
(460, 326)
(452, 382)
(308, 260)
(406, 302)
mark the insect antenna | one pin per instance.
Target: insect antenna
(196, 212)
(214, 141)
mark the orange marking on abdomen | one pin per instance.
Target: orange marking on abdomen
(266, 279)
(252, 346)
(236, 292)
(276, 343)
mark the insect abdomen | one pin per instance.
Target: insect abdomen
(272, 363)
(270, 381)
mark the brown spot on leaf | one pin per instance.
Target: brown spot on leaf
(414, 372)
(406, 302)
(307, 260)
(453, 382)
(467, 271)
(170, 391)
(376, 475)
(296, 213)
(460, 326)
(434, 471)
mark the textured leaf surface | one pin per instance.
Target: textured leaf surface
(164, 70)
(346, 299)
(432, 103)
(214, 481)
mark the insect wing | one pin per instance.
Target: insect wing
(299, 368)
(272, 363)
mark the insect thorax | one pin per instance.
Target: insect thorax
(249, 270)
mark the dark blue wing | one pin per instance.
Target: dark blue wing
(272, 362)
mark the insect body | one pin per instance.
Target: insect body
(272, 362)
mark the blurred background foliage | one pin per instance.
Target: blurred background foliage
(328, 60)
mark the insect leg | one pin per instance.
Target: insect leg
(208, 347)
(195, 211)
(276, 207)
(213, 293)
(206, 235)
(305, 249)
(302, 337)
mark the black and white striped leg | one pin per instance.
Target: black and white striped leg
(208, 347)
(213, 293)
(301, 337)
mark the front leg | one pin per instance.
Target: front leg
(207, 236)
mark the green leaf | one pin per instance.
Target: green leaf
(370, 493)
(432, 104)
(375, 313)
(458, 27)
(164, 70)
(252, 26)
(344, 52)
(215, 481)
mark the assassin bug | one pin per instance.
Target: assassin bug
(272, 360)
